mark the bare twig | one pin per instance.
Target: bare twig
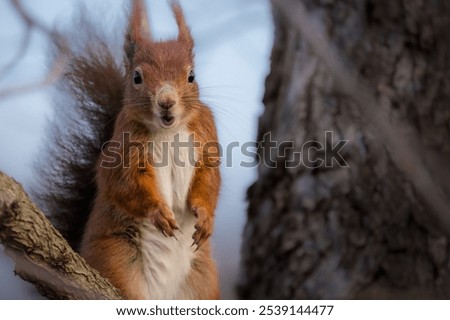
(57, 68)
(23, 47)
(426, 169)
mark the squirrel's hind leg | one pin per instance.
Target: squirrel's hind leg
(202, 282)
(117, 259)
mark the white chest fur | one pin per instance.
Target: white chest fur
(167, 261)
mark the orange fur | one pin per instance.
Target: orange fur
(129, 196)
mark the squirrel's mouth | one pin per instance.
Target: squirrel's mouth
(167, 120)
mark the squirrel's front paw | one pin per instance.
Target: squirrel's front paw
(203, 227)
(163, 219)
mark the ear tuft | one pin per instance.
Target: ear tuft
(138, 29)
(184, 34)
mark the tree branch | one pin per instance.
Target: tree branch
(42, 256)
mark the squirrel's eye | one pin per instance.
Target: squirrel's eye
(191, 77)
(137, 78)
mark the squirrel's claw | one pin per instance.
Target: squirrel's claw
(163, 219)
(203, 227)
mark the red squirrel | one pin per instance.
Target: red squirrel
(148, 228)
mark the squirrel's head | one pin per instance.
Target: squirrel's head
(161, 90)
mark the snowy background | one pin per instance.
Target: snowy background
(233, 42)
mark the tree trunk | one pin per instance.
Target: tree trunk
(374, 223)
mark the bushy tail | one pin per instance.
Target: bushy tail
(88, 99)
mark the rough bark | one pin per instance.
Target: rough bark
(374, 73)
(42, 256)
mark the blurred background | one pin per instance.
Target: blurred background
(233, 43)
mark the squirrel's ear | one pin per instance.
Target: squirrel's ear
(184, 34)
(138, 29)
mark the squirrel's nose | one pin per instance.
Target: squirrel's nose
(166, 104)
